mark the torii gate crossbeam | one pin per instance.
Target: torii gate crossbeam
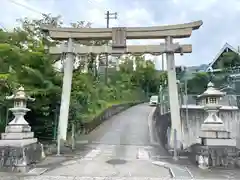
(131, 49)
(155, 32)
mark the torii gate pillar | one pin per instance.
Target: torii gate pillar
(173, 97)
(68, 65)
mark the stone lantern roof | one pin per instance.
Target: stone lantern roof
(20, 94)
(211, 92)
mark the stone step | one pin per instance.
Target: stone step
(21, 135)
(17, 128)
(17, 142)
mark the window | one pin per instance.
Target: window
(17, 104)
(213, 100)
(206, 101)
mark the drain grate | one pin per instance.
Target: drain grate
(116, 161)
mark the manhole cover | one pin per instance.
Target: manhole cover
(116, 161)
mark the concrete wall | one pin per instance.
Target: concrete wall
(191, 125)
(162, 123)
(196, 116)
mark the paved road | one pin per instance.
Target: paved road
(120, 147)
(124, 148)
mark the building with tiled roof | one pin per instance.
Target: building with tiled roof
(213, 66)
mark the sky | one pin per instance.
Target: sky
(220, 19)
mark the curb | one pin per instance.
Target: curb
(180, 172)
(189, 172)
(150, 125)
(163, 164)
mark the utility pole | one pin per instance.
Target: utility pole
(163, 68)
(108, 17)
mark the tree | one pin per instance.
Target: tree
(228, 60)
(198, 83)
(24, 61)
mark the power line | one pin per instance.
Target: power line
(97, 4)
(38, 12)
(102, 8)
(26, 7)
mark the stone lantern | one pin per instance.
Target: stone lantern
(213, 131)
(214, 138)
(19, 110)
(17, 144)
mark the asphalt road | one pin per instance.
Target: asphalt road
(120, 147)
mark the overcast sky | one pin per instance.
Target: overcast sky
(220, 19)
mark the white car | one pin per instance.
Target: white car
(153, 101)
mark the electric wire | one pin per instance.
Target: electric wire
(26, 7)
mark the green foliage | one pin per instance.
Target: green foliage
(228, 60)
(24, 62)
(198, 83)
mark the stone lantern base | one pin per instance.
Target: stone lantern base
(216, 137)
(19, 150)
(216, 148)
(215, 156)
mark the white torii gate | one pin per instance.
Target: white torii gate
(118, 36)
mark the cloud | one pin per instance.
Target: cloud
(221, 22)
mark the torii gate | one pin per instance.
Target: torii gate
(119, 35)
